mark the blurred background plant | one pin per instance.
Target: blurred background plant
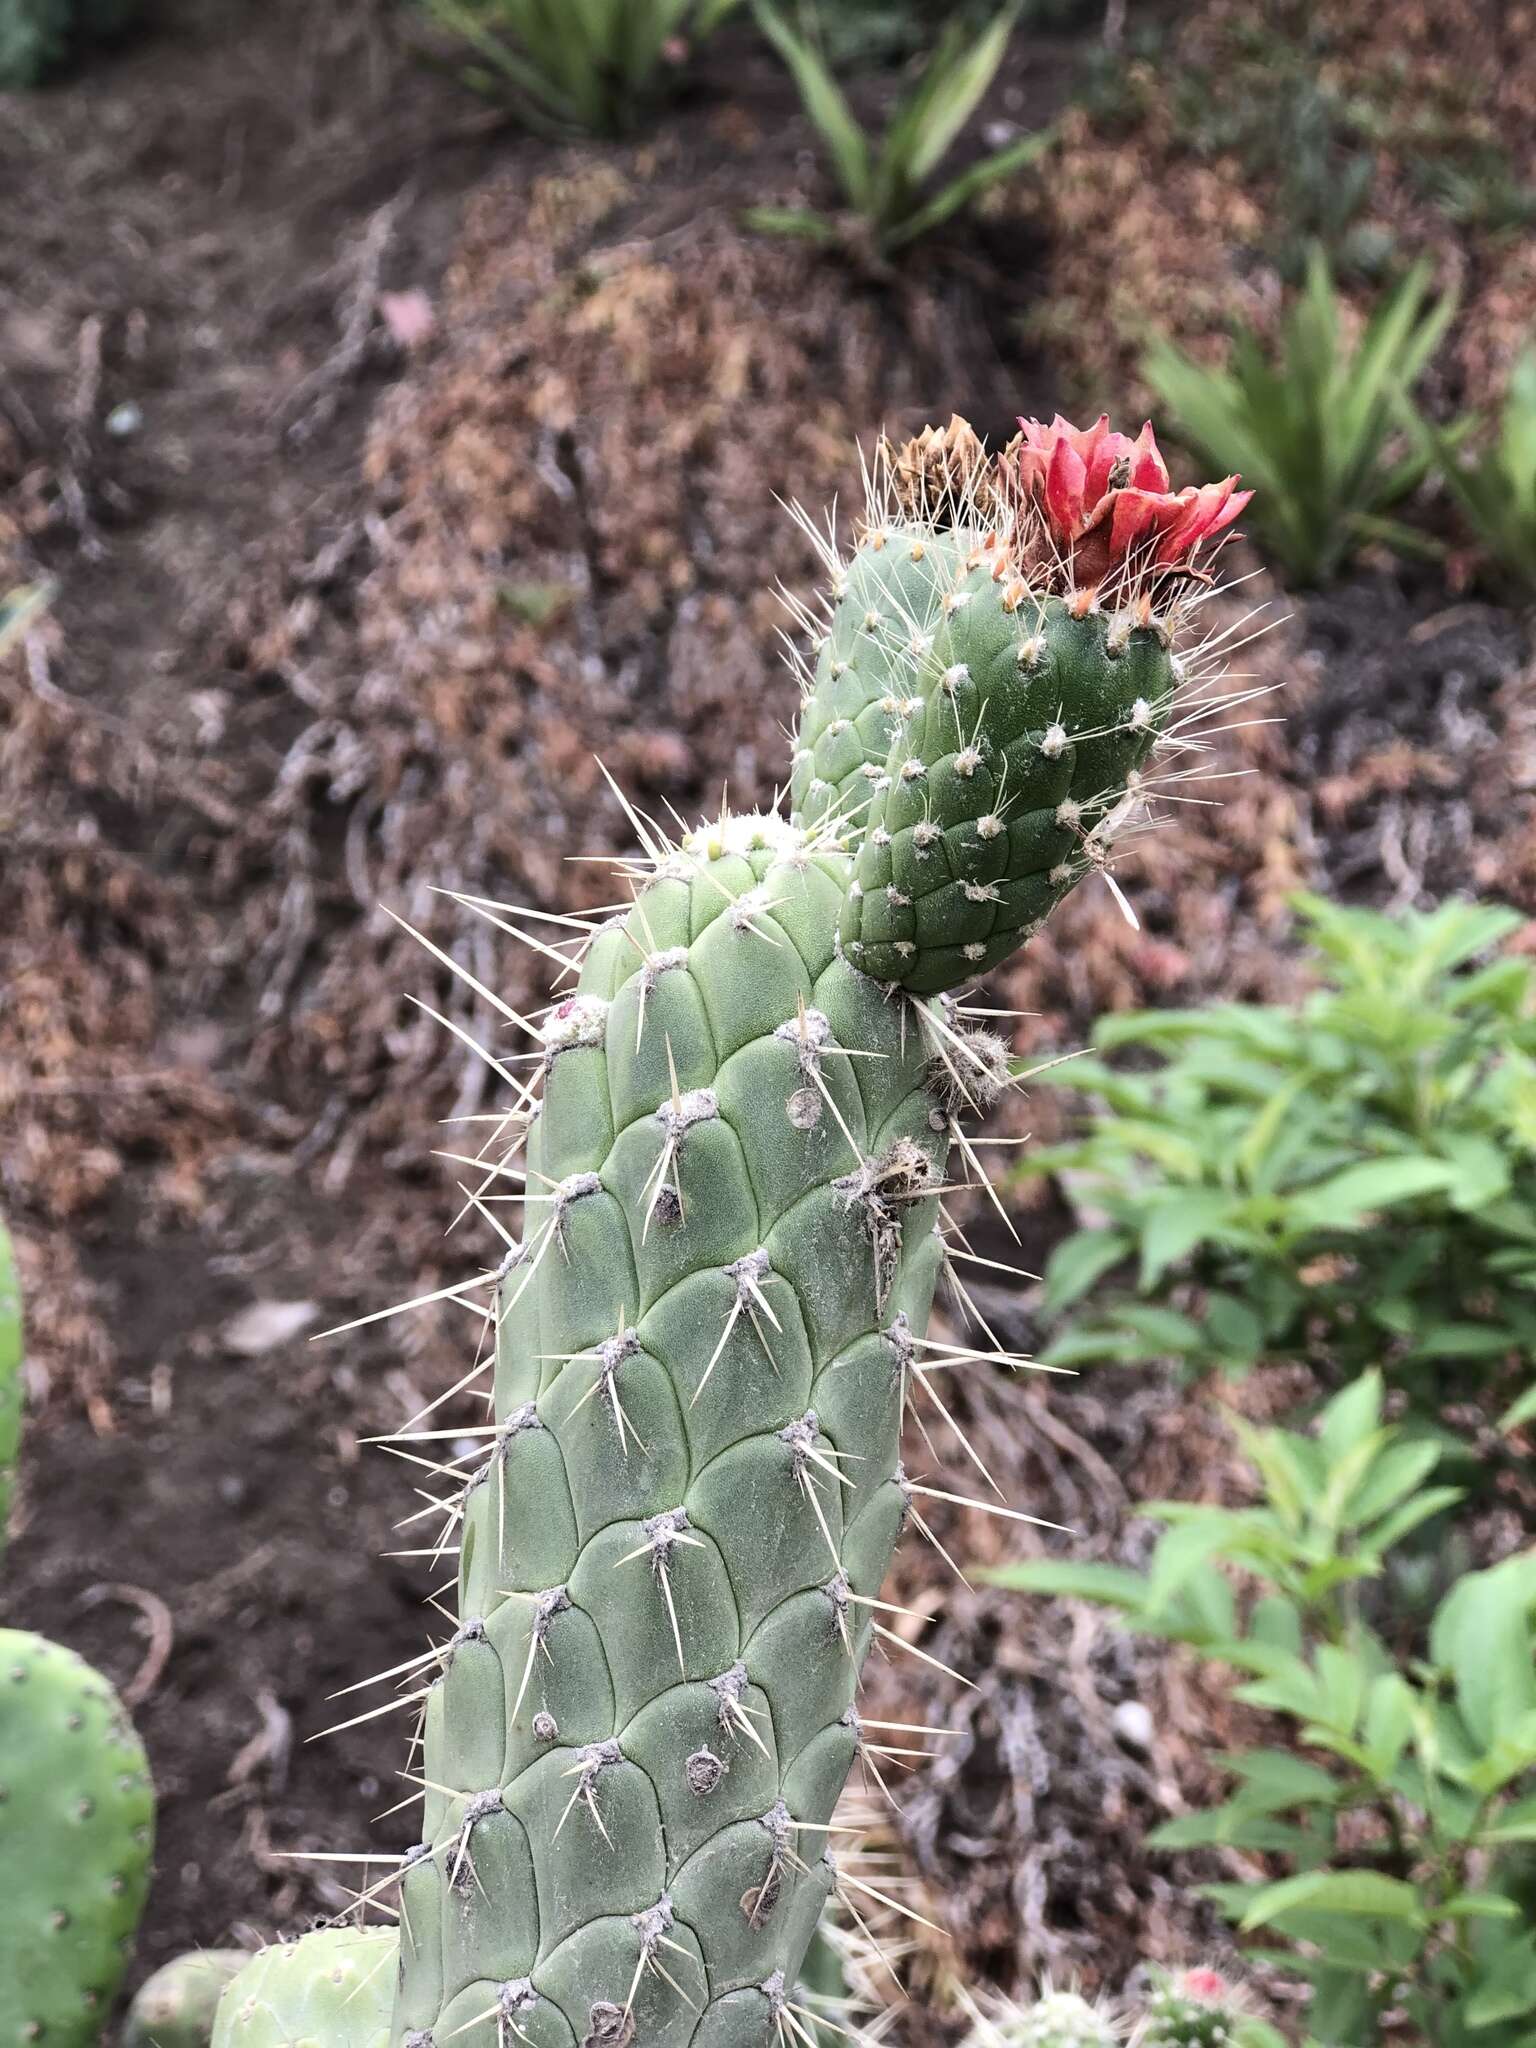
(1409, 1884)
(40, 38)
(1343, 1183)
(1314, 426)
(1494, 483)
(593, 67)
(887, 181)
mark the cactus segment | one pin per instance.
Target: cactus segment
(668, 1554)
(10, 1377)
(175, 2007)
(730, 1156)
(76, 1827)
(992, 678)
(1004, 784)
(330, 1989)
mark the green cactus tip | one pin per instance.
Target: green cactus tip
(1194, 2008)
(175, 2007)
(1056, 2019)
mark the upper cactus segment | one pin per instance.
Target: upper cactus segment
(994, 671)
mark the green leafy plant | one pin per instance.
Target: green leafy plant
(1349, 1181)
(593, 66)
(41, 37)
(1496, 487)
(1314, 425)
(1405, 1833)
(887, 184)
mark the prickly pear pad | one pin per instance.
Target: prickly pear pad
(330, 1989)
(76, 1826)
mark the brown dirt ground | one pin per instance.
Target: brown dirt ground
(344, 619)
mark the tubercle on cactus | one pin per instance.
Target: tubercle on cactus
(731, 1158)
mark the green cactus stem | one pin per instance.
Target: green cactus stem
(175, 2007)
(76, 1828)
(731, 1158)
(334, 1988)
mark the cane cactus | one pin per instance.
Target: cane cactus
(76, 1804)
(672, 1542)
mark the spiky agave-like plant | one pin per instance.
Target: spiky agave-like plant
(731, 1164)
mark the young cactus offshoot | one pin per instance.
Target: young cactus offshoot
(731, 1154)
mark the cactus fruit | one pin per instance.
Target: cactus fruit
(334, 1986)
(175, 2007)
(672, 1540)
(10, 1377)
(1194, 2009)
(76, 1826)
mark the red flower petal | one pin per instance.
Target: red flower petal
(1148, 470)
(1064, 490)
(1209, 508)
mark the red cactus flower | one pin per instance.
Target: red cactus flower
(1205, 1986)
(1105, 497)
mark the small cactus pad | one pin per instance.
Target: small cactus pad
(330, 1989)
(76, 1826)
(175, 2007)
(10, 1376)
